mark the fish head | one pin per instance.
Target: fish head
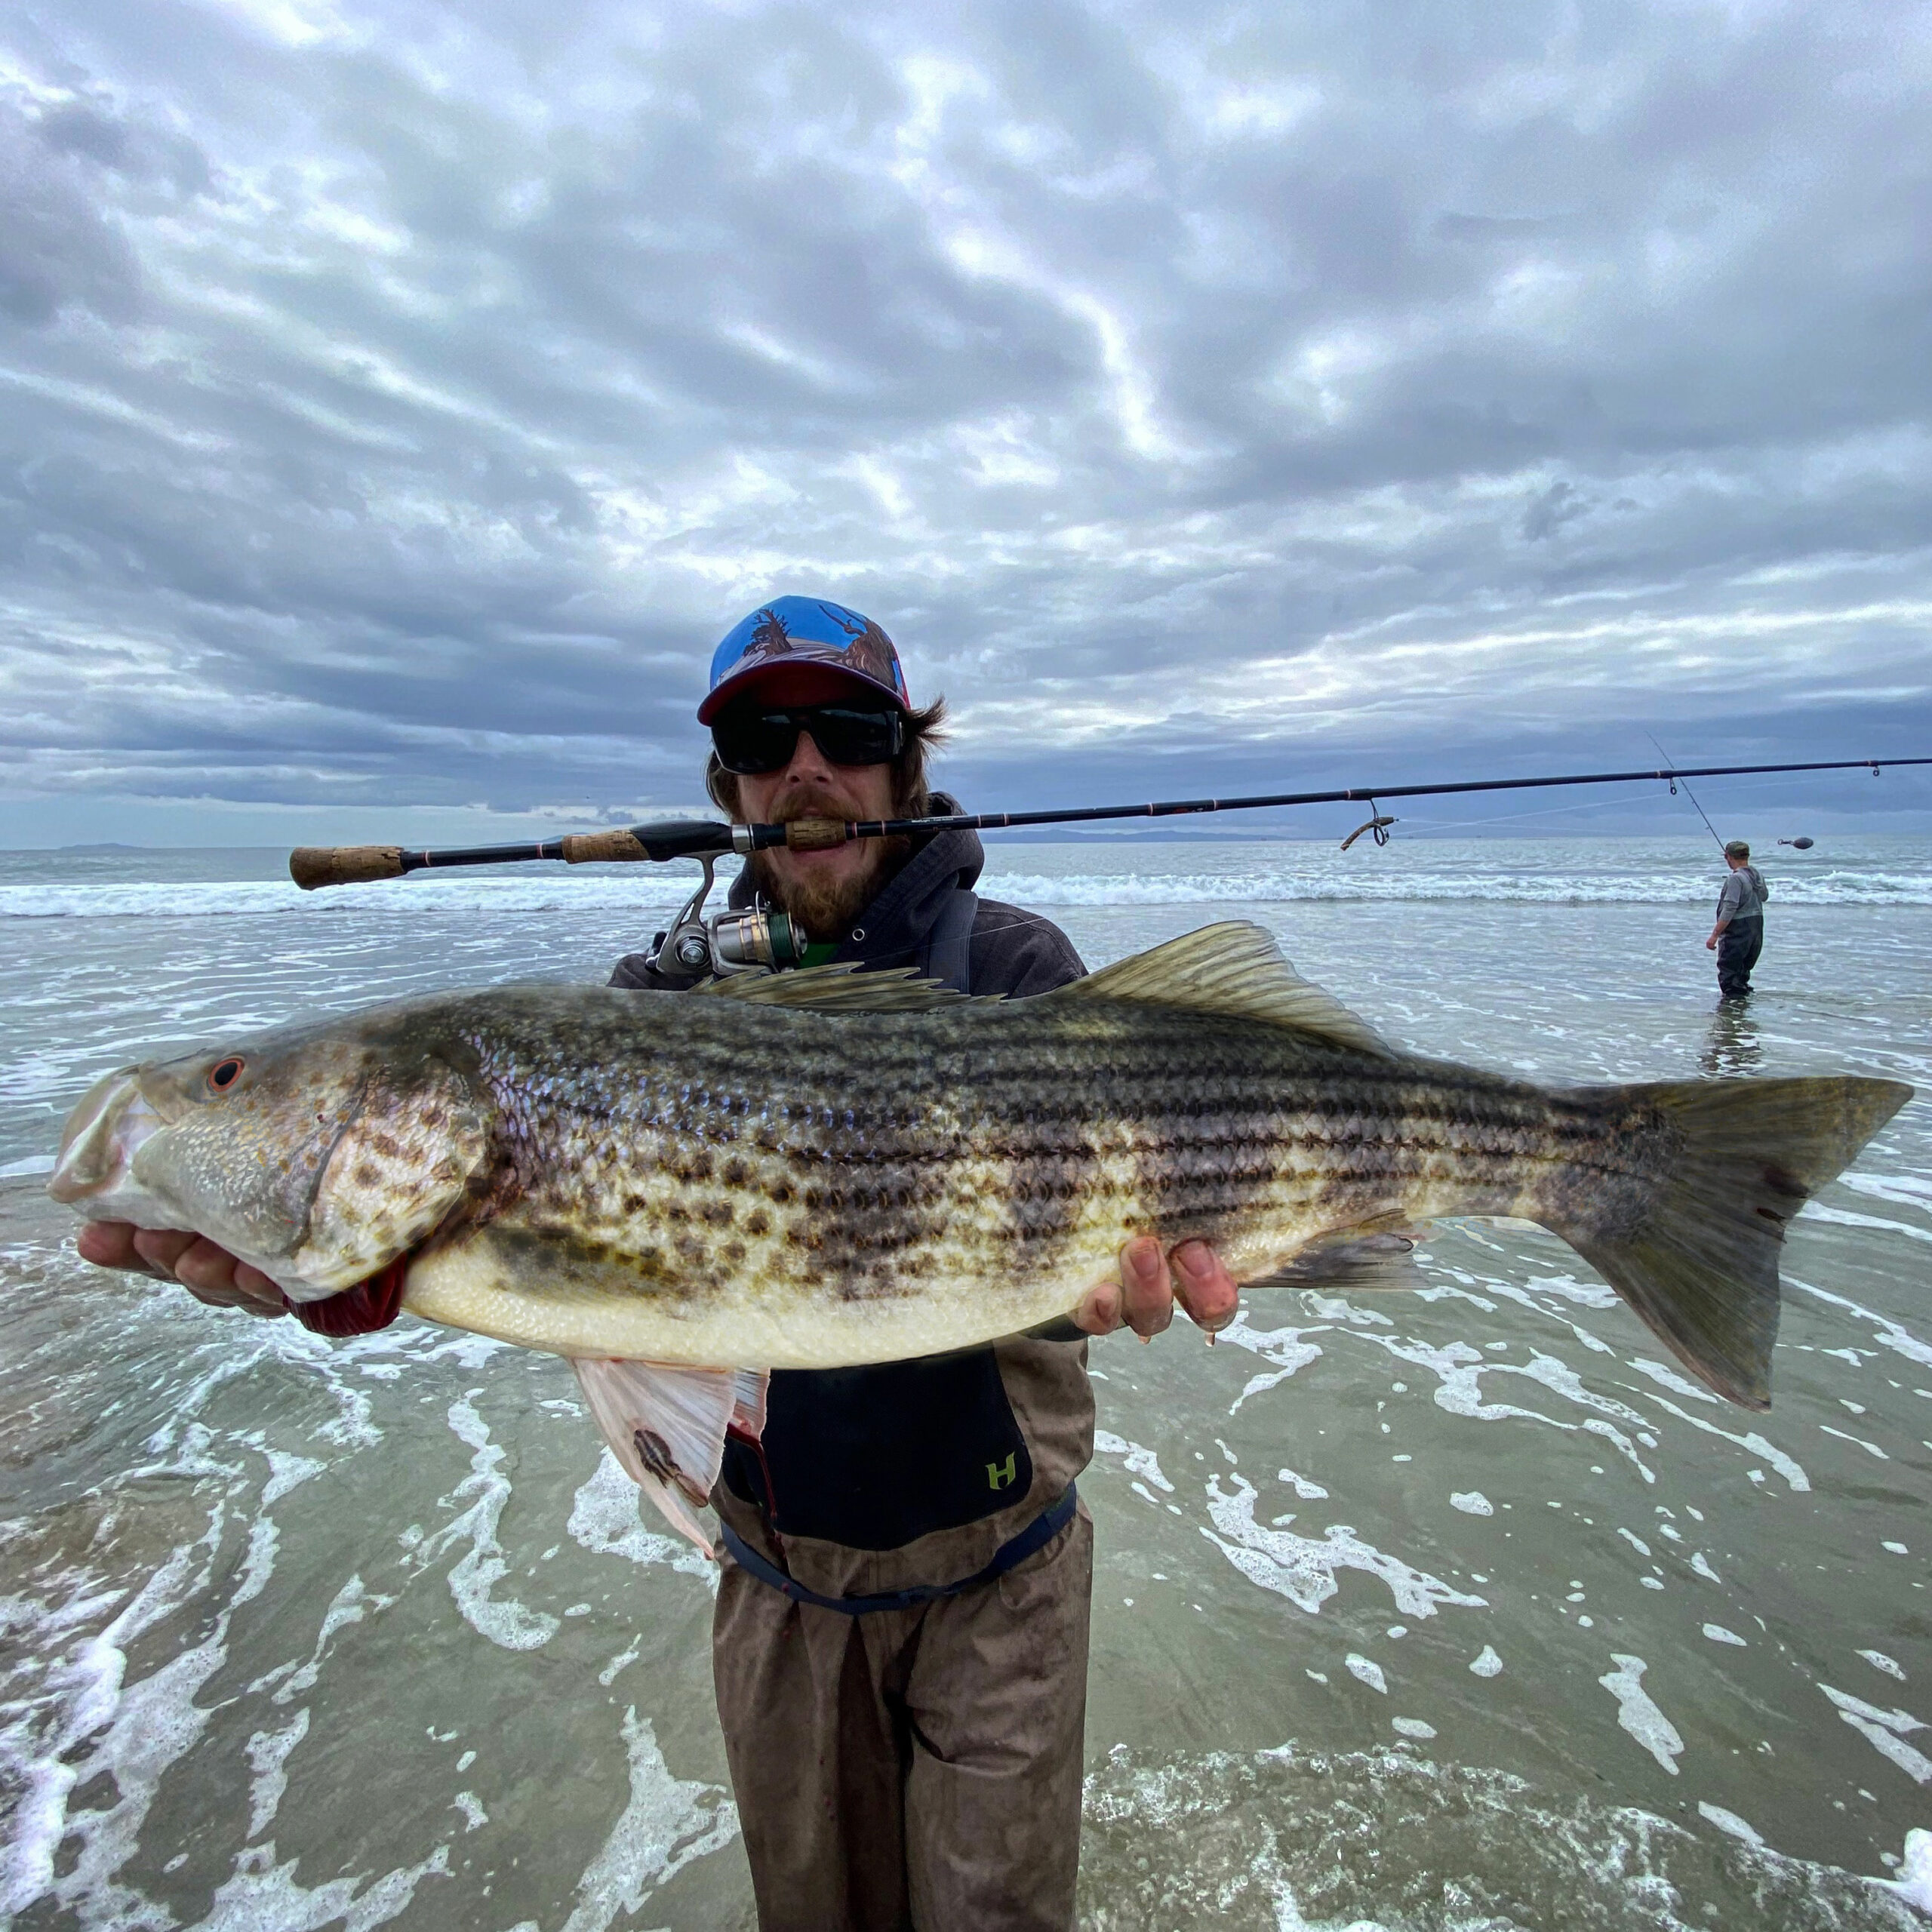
(317, 1154)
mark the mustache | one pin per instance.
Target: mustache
(811, 801)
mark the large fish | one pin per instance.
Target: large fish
(821, 1168)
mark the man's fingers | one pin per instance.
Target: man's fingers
(163, 1246)
(1203, 1286)
(1144, 1296)
(1146, 1288)
(1098, 1312)
(109, 1244)
(209, 1273)
(257, 1293)
(213, 1274)
(203, 1265)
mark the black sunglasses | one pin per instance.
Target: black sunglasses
(752, 741)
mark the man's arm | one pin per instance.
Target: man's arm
(1727, 903)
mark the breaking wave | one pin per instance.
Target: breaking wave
(1420, 876)
(1270, 885)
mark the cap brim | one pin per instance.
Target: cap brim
(748, 681)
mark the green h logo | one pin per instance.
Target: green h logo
(999, 1475)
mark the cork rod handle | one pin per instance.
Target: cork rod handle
(814, 835)
(598, 848)
(312, 865)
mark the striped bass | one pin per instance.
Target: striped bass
(680, 1192)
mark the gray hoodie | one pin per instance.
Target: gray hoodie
(1742, 895)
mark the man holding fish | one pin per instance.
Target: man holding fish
(901, 1634)
(821, 1246)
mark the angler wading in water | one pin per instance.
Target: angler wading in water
(1738, 937)
(924, 1752)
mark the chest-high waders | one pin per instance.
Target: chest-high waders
(946, 957)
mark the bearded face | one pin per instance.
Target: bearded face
(826, 903)
(824, 891)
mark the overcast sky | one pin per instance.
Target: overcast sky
(397, 402)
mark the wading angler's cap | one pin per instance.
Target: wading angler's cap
(790, 631)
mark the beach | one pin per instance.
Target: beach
(1459, 1609)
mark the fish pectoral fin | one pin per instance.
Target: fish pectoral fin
(1368, 1263)
(1236, 969)
(666, 1425)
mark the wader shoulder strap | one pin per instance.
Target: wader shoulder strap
(948, 956)
(1036, 1535)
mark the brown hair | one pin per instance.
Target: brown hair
(925, 731)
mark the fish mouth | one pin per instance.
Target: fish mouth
(104, 1134)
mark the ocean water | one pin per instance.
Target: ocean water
(1460, 1609)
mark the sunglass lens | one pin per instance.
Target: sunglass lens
(854, 737)
(753, 743)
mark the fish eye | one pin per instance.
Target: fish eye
(224, 1073)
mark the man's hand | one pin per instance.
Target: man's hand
(1145, 1295)
(1711, 944)
(209, 1273)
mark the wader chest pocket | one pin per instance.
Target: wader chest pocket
(876, 1457)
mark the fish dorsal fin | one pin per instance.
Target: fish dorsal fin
(842, 988)
(1234, 969)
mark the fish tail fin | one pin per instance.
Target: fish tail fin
(1696, 1257)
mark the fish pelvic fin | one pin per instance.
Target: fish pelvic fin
(666, 1426)
(1234, 969)
(1701, 1266)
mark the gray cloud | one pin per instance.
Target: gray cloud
(399, 402)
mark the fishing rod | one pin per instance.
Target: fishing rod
(314, 865)
(761, 938)
(1693, 797)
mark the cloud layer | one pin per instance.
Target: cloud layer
(396, 404)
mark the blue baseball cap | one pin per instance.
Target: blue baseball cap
(791, 631)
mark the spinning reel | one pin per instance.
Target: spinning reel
(758, 939)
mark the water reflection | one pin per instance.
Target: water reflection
(1733, 1045)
